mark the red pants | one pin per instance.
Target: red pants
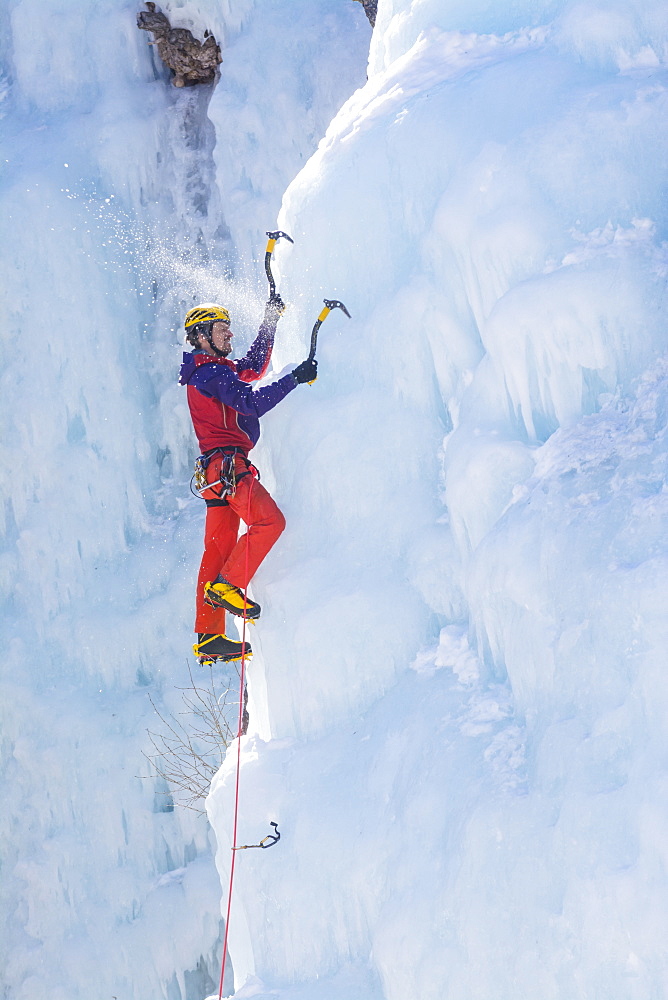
(226, 554)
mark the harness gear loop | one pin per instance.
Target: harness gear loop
(273, 240)
(273, 838)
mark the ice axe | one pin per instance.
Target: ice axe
(329, 305)
(273, 240)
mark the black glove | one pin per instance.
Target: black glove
(274, 307)
(307, 371)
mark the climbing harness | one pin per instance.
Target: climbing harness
(329, 305)
(273, 240)
(215, 463)
(220, 462)
(273, 838)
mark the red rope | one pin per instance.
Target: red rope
(242, 681)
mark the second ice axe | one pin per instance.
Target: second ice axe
(329, 305)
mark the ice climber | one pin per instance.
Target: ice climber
(225, 411)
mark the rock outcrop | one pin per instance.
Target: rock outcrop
(190, 60)
(370, 9)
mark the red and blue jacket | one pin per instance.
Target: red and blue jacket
(225, 409)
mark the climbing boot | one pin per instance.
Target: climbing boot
(221, 594)
(210, 648)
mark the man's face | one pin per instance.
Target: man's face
(221, 335)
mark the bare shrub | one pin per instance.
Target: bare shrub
(189, 748)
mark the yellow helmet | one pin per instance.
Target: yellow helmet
(208, 312)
